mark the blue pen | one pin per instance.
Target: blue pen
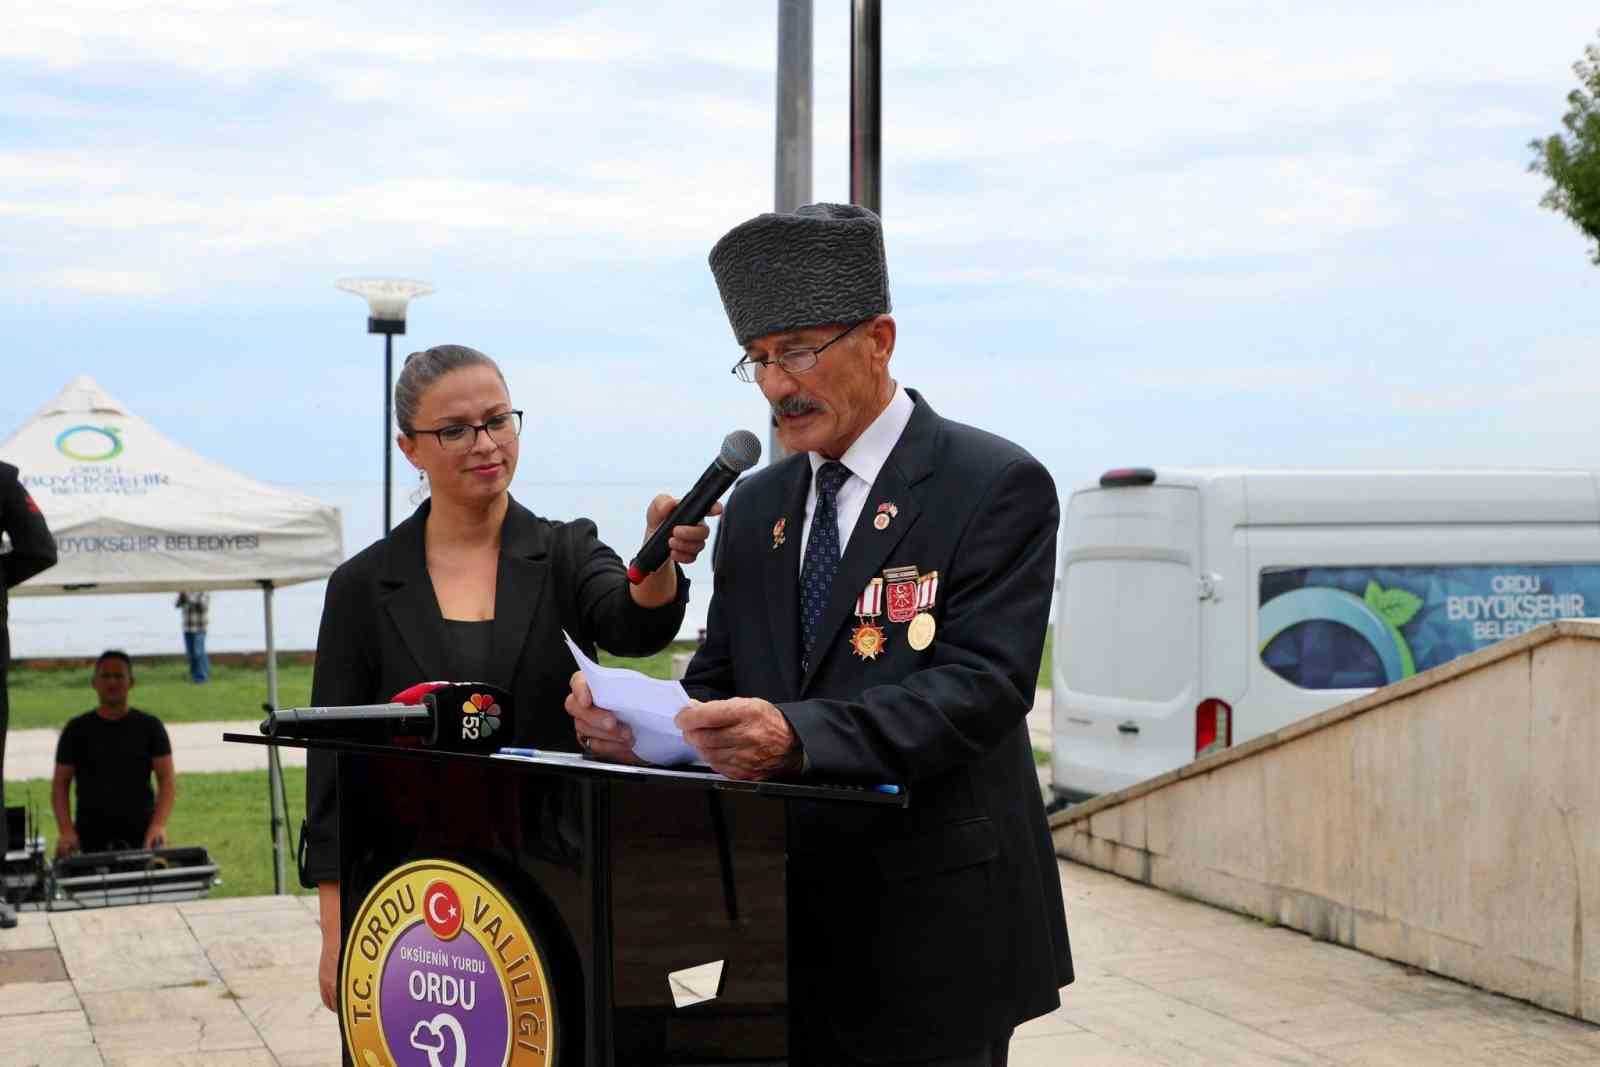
(893, 790)
(541, 752)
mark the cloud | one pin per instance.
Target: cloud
(1275, 377)
(90, 281)
(235, 41)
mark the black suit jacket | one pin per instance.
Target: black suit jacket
(32, 548)
(382, 631)
(927, 931)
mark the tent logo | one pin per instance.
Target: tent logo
(108, 447)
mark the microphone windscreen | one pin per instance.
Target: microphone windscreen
(740, 450)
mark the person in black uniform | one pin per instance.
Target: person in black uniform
(473, 587)
(879, 614)
(30, 550)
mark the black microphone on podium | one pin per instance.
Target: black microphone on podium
(740, 450)
(453, 716)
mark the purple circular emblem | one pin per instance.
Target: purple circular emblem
(442, 1002)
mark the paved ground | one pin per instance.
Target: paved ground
(197, 747)
(1162, 981)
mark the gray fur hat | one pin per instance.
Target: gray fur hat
(824, 263)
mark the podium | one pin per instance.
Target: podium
(594, 902)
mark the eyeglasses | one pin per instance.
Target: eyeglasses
(794, 360)
(460, 438)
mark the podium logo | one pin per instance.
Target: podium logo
(90, 444)
(440, 970)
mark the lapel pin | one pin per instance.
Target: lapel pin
(777, 532)
(886, 512)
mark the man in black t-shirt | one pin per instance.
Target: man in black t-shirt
(112, 751)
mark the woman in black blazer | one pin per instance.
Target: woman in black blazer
(472, 587)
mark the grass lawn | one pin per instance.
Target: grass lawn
(227, 813)
(49, 696)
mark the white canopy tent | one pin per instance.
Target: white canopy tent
(134, 512)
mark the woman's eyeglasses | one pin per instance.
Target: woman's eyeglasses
(502, 429)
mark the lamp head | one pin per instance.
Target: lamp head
(386, 300)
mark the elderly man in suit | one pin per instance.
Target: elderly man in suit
(879, 612)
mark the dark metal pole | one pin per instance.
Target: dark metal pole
(388, 444)
(792, 175)
(791, 185)
(866, 119)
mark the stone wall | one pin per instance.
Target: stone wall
(1451, 822)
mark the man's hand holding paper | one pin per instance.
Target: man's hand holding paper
(623, 715)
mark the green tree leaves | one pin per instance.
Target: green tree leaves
(1572, 162)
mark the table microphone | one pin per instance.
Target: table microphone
(740, 450)
(453, 716)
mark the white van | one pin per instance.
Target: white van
(1200, 608)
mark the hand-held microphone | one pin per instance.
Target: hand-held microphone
(740, 450)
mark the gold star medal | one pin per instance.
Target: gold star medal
(919, 635)
(867, 639)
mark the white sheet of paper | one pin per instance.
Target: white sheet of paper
(648, 705)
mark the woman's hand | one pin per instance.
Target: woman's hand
(600, 733)
(328, 961)
(686, 542)
(683, 547)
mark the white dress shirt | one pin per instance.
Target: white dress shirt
(863, 459)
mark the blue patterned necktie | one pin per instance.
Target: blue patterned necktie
(822, 555)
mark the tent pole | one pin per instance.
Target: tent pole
(280, 847)
(388, 448)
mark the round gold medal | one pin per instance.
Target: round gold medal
(919, 634)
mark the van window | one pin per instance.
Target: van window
(1363, 627)
(1132, 630)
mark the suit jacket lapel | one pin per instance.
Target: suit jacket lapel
(783, 572)
(519, 584)
(870, 548)
(409, 600)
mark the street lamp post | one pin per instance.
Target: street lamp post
(386, 302)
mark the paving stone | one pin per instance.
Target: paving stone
(85, 1055)
(1080, 1049)
(177, 1036)
(211, 1001)
(1247, 997)
(32, 931)
(309, 1059)
(238, 905)
(1045, 1025)
(36, 998)
(135, 947)
(31, 965)
(46, 1039)
(256, 1057)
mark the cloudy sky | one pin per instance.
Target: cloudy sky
(1198, 233)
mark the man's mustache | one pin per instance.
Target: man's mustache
(793, 406)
